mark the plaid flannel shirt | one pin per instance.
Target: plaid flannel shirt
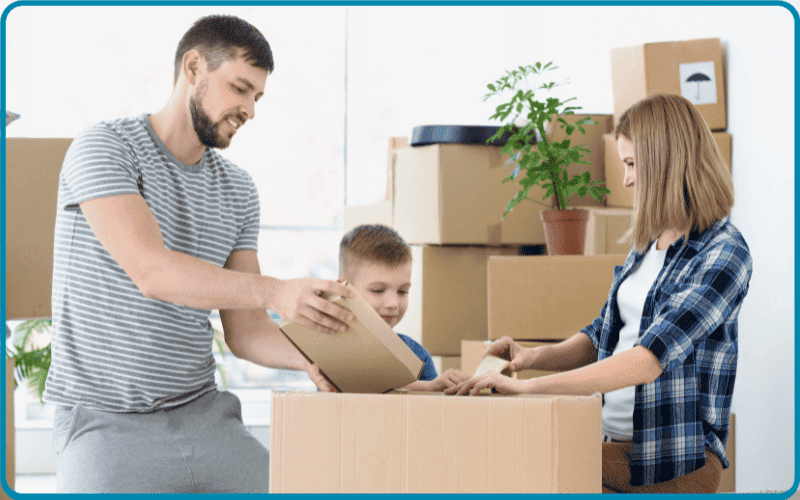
(689, 322)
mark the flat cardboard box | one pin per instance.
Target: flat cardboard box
(453, 194)
(432, 443)
(472, 350)
(547, 297)
(691, 68)
(605, 227)
(32, 170)
(378, 213)
(614, 169)
(367, 357)
(593, 141)
(727, 483)
(447, 299)
(444, 363)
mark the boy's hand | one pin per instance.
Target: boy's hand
(491, 380)
(314, 374)
(300, 301)
(507, 348)
(448, 379)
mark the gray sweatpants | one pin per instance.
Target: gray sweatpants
(199, 447)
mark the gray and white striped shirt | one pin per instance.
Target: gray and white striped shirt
(113, 349)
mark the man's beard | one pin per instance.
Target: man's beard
(206, 130)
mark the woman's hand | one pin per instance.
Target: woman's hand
(491, 380)
(506, 348)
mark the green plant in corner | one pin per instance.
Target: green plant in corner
(32, 359)
(542, 161)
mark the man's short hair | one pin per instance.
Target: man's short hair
(219, 38)
(374, 243)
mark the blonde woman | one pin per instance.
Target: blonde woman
(664, 349)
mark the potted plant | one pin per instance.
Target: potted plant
(539, 161)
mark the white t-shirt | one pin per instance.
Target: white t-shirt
(632, 293)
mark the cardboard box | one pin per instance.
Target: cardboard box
(447, 300)
(32, 170)
(593, 141)
(691, 68)
(724, 142)
(547, 297)
(444, 363)
(453, 194)
(10, 427)
(379, 213)
(432, 443)
(727, 482)
(604, 229)
(367, 357)
(471, 352)
(395, 143)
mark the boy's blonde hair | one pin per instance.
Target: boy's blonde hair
(374, 243)
(682, 180)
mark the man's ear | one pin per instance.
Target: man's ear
(192, 63)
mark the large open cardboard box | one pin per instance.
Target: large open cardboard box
(547, 297)
(692, 68)
(432, 443)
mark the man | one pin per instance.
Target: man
(155, 229)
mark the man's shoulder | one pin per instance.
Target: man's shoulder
(116, 130)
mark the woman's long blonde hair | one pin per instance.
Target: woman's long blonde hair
(682, 180)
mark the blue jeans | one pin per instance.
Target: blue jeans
(199, 447)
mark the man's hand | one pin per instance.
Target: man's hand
(506, 348)
(314, 374)
(491, 380)
(300, 301)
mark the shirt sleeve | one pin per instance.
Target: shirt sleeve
(251, 225)
(428, 368)
(593, 329)
(98, 163)
(699, 306)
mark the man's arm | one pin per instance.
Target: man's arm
(252, 335)
(129, 232)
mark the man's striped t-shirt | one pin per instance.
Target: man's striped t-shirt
(113, 349)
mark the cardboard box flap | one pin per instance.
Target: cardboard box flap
(367, 357)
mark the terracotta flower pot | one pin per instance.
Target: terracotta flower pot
(564, 231)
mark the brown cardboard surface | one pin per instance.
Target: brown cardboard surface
(10, 427)
(642, 70)
(432, 443)
(727, 482)
(378, 213)
(593, 141)
(724, 142)
(447, 299)
(32, 169)
(367, 357)
(453, 194)
(606, 225)
(444, 363)
(547, 297)
(472, 350)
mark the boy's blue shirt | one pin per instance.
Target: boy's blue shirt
(428, 370)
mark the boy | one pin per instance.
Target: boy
(377, 262)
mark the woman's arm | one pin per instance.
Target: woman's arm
(575, 352)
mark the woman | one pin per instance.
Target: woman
(663, 350)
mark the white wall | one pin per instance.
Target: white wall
(758, 43)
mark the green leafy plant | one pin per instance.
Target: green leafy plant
(32, 363)
(539, 161)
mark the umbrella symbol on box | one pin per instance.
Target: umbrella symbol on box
(698, 77)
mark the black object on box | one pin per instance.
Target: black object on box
(454, 134)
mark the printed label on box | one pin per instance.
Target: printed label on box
(698, 83)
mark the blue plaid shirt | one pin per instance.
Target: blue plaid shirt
(689, 322)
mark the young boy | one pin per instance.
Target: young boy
(377, 262)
